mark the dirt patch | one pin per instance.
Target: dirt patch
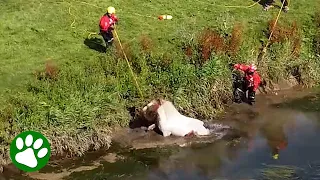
(281, 85)
(111, 158)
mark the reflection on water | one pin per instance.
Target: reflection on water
(293, 136)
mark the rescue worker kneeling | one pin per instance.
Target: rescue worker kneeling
(252, 80)
(107, 22)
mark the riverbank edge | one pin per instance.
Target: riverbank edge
(77, 145)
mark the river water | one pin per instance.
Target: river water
(278, 138)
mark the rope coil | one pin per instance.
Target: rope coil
(74, 20)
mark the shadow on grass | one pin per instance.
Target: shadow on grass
(95, 44)
(310, 103)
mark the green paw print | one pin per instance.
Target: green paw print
(30, 151)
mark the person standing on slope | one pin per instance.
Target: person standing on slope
(107, 22)
(252, 79)
(269, 4)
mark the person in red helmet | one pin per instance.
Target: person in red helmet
(107, 22)
(252, 79)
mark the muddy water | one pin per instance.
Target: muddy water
(278, 138)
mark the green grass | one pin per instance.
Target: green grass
(92, 90)
(284, 172)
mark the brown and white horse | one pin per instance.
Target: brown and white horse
(164, 115)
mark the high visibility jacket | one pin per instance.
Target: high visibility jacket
(107, 22)
(253, 80)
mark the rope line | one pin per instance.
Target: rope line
(92, 33)
(229, 6)
(275, 23)
(74, 20)
(264, 50)
(249, 6)
(82, 2)
(125, 56)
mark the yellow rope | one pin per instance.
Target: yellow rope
(275, 23)
(74, 20)
(89, 4)
(264, 50)
(147, 16)
(92, 33)
(248, 6)
(125, 56)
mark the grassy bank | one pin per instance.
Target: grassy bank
(55, 80)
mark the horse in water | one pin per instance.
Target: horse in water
(167, 118)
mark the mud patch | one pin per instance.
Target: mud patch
(64, 173)
(61, 175)
(140, 139)
(109, 158)
(284, 84)
(112, 158)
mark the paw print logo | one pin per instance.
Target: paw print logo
(30, 151)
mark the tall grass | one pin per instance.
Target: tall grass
(56, 81)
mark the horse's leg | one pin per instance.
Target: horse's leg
(151, 127)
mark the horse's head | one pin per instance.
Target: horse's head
(150, 110)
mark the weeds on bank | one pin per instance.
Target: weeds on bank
(316, 41)
(74, 108)
(236, 39)
(210, 42)
(285, 57)
(283, 33)
(146, 44)
(51, 71)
